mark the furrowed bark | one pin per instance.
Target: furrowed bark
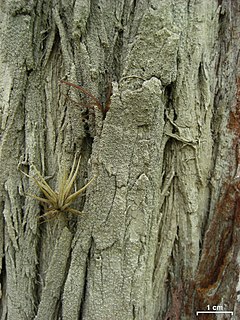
(158, 238)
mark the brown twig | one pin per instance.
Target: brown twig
(91, 96)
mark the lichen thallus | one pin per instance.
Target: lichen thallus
(58, 202)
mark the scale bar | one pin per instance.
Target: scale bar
(200, 312)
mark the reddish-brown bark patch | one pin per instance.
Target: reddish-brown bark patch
(218, 271)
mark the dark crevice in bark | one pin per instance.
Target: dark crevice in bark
(134, 312)
(170, 109)
(117, 56)
(169, 94)
(85, 286)
(205, 222)
(3, 302)
(58, 309)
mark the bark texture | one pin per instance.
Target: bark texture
(159, 237)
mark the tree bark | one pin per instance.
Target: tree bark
(159, 236)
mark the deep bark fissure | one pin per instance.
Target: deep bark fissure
(85, 285)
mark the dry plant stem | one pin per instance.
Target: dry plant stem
(86, 92)
(103, 109)
(79, 103)
(59, 201)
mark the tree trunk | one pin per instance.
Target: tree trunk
(159, 233)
